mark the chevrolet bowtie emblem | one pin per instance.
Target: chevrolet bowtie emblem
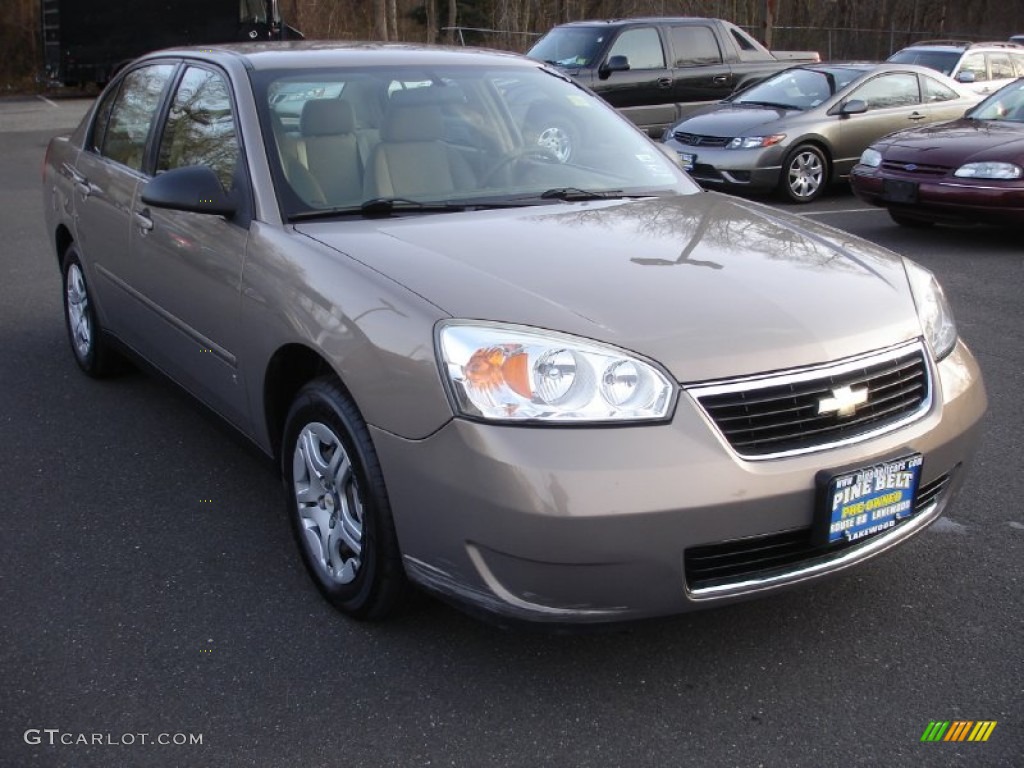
(844, 401)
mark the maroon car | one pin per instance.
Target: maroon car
(970, 169)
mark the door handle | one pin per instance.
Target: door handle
(916, 116)
(720, 79)
(81, 182)
(664, 82)
(143, 221)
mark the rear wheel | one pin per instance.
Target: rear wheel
(804, 174)
(92, 351)
(909, 221)
(338, 503)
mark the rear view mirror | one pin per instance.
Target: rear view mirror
(854, 107)
(965, 77)
(195, 189)
(615, 64)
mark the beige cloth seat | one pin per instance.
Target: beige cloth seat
(411, 159)
(329, 151)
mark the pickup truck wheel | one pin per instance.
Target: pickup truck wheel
(804, 174)
(338, 503)
(92, 351)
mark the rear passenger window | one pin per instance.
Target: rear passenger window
(694, 46)
(131, 118)
(935, 91)
(642, 47)
(200, 128)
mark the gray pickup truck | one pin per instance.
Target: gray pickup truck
(656, 70)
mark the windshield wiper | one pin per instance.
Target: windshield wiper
(380, 206)
(575, 193)
(772, 104)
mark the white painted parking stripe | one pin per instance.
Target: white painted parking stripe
(56, 106)
(842, 210)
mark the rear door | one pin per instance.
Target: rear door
(107, 175)
(699, 70)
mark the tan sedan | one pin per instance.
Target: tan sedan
(548, 387)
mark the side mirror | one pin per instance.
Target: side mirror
(195, 189)
(614, 64)
(854, 107)
(965, 77)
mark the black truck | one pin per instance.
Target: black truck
(655, 70)
(89, 40)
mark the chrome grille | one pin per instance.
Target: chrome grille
(782, 414)
(735, 561)
(919, 169)
(697, 140)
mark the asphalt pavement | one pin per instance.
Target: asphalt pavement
(149, 586)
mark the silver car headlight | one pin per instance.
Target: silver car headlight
(872, 158)
(753, 142)
(989, 171)
(932, 309)
(515, 373)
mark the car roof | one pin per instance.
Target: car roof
(960, 46)
(638, 20)
(314, 54)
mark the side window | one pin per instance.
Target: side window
(744, 42)
(1000, 66)
(642, 47)
(935, 91)
(975, 63)
(200, 127)
(887, 91)
(100, 122)
(1018, 63)
(132, 115)
(694, 46)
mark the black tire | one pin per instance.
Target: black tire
(89, 345)
(805, 174)
(909, 221)
(366, 584)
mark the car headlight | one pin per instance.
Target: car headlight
(514, 373)
(932, 309)
(871, 158)
(989, 171)
(753, 142)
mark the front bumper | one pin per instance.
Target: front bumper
(752, 170)
(947, 199)
(591, 524)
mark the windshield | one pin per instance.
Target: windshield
(800, 88)
(570, 46)
(1005, 104)
(384, 140)
(942, 61)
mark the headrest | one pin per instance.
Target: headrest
(412, 122)
(326, 117)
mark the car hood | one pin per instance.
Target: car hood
(952, 144)
(708, 286)
(728, 120)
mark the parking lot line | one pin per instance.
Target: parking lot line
(841, 210)
(52, 104)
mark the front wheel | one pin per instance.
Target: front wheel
(804, 174)
(338, 503)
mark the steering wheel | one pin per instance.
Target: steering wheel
(538, 154)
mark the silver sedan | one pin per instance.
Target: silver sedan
(805, 127)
